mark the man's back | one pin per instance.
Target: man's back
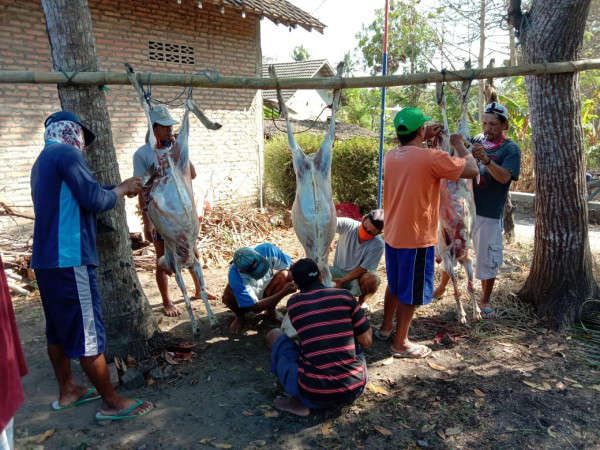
(327, 319)
(412, 194)
(66, 199)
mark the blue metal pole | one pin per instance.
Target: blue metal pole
(382, 121)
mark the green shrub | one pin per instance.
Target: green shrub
(354, 170)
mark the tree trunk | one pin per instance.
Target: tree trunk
(561, 278)
(512, 47)
(127, 314)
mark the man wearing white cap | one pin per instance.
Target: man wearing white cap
(143, 159)
(500, 159)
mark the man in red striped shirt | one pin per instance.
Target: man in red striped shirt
(329, 367)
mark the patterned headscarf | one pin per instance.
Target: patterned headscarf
(65, 132)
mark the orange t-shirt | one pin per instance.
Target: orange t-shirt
(411, 194)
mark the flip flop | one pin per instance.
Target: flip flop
(125, 414)
(411, 352)
(381, 337)
(84, 399)
(488, 313)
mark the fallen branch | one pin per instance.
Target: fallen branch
(9, 211)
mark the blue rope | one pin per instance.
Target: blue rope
(210, 74)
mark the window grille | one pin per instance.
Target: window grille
(170, 53)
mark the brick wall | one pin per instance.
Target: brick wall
(227, 160)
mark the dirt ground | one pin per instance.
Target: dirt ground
(502, 384)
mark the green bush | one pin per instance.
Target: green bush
(354, 170)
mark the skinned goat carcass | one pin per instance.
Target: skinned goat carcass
(313, 211)
(457, 212)
(172, 210)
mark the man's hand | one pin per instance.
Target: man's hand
(130, 188)
(479, 153)
(289, 288)
(433, 130)
(457, 140)
(339, 282)
(149, 231)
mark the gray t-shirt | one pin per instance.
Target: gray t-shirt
(144, 157)
(349, 253)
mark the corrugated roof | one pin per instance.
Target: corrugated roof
(278, 11)
(296, 69)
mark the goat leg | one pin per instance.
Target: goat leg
(468, 265)
(188, 303)
(197, 269)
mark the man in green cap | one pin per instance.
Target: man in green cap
(411, 194)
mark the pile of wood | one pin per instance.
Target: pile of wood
(16, 256)
(223, 230)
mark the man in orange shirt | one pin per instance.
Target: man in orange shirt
(411, 194)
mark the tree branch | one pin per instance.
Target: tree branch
(514, 14)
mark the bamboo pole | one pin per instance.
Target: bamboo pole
(255, 83)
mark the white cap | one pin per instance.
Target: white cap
(497, 108)
(162, 116)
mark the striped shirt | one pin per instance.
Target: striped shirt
(327, 320)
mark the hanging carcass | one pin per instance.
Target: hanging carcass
(171, 206)
(313, 211)
(457, 211)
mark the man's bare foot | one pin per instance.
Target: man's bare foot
(170, 310)
(237, 325)
(76, 395)
(487, 312)
(209, 295)
(274, 315)
(128, 409)
(438, 294)
(291, 405)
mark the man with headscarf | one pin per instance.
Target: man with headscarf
(500, 158)
(144, 159)
(66, 199)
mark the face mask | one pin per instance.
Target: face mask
(363, 234)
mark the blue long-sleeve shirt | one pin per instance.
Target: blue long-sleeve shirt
(66, 199)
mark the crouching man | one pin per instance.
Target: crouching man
(329, 367)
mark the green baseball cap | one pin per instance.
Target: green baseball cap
(409, 119)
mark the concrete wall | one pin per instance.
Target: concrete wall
(227, 161)
(525, 204)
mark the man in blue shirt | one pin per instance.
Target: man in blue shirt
(500, 159)
(259, 278)
(66, 199)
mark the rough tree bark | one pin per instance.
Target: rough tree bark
(561, 276)
(127, 314)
